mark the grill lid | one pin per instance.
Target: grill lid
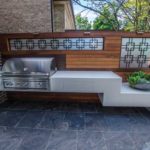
(28, 67)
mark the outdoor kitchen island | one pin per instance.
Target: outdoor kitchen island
(107, 84)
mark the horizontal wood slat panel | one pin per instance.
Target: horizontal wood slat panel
(103, 53)
(87, 66)
(59, 52)
(113, 43)
(88, 61)
(69, 97)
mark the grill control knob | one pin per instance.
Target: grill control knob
(8, 83)
(40, 84)
(25, 84)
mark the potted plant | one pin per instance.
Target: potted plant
(139, 80)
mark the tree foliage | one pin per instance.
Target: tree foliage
(131, 15)
(82, 23)
(109, 23)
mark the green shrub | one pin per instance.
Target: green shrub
(138, 77)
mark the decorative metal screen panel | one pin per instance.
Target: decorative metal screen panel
(57, 44)
(135, 53)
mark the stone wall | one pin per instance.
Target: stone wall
(25, 16)
(59, 18)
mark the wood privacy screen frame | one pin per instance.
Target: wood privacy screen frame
(106, 59)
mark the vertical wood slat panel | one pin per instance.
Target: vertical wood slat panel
(78, 61)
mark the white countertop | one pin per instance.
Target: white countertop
(86, 74)
(85, 81)
(126, 89)
(1, 86)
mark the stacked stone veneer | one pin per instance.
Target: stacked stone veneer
(25, 16)
(59, 17)
(3, 96)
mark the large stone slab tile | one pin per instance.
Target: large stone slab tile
(35, 140)
(95, 122)
(31, 119)
(119, 122)
(11, 118)
(63, 140)
(88, 140)
(141, 140)
(119, 141)
(75, 121)
(11, 138)
(53, 120)
(140, 124)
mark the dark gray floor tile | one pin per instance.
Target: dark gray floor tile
(140, 124)
(31, 119)
(145, 113)
(53, 120)
(21, 105)
(127, 122)
(106, 109)
(117, 110)
(35, 140)
(7, 104)
(88, 140)
(63, 140)
(119, 141)
(141, 140)
(75, 121)
(119, 122)
(88, 107)
(39, 105)
(55, 106)
(95, 122)
(71, 107)
(10, 118)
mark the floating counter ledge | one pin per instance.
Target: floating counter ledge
(85, 81)
(115, 93)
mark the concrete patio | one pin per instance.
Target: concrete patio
(26, 125)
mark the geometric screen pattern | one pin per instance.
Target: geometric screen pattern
(57, 44)
(135, 53)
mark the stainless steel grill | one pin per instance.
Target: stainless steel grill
(27, 74)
